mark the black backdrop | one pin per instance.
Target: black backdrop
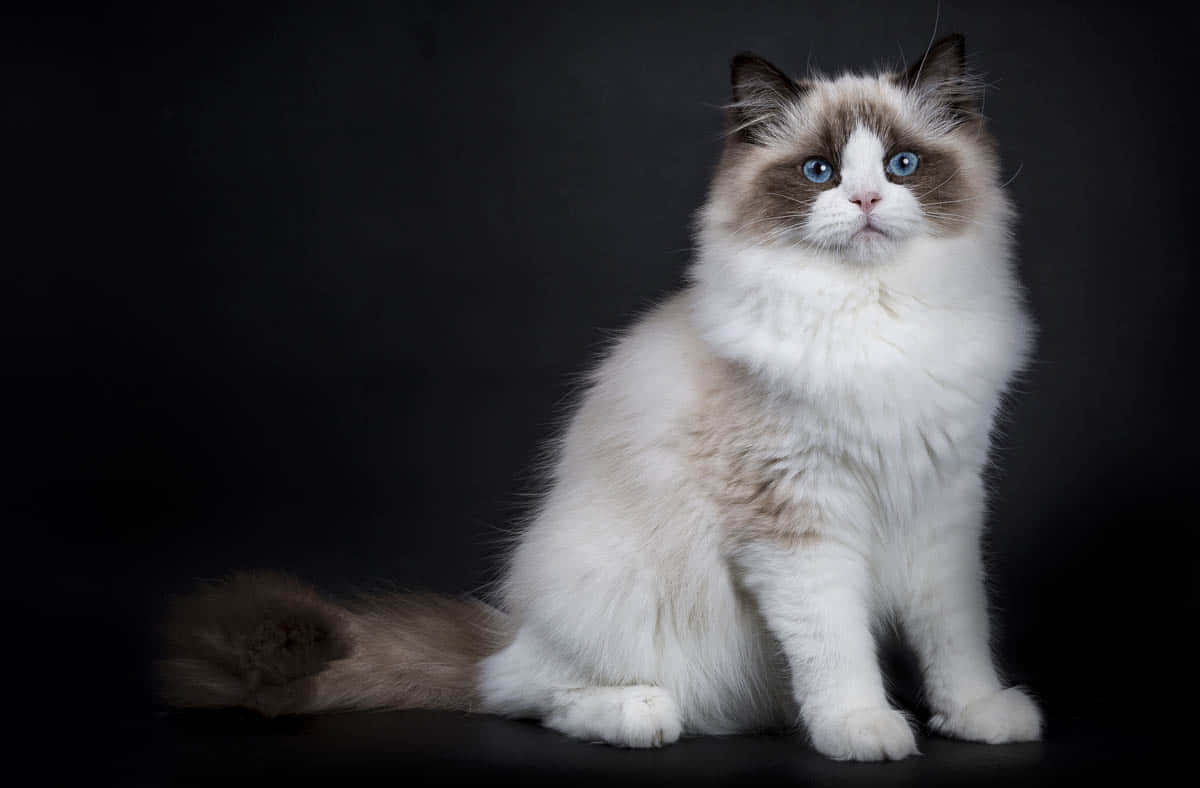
(304, 287)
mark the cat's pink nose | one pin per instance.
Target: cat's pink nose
(865, 200)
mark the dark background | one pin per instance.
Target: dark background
(305, 287)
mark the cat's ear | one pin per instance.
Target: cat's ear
(760, 93)
(942, 73)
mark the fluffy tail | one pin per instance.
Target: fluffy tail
(266, 641)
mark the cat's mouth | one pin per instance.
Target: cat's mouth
(870, 231)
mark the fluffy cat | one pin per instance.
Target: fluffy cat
(766, 467)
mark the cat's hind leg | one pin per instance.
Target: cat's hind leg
(528, 679)
(640, 715)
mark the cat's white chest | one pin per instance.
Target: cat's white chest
(893, 406)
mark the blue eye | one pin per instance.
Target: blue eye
(817, 170)
(903, 164)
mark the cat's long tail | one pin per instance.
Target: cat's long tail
(266, 641)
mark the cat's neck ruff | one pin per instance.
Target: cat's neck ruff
(883, 336)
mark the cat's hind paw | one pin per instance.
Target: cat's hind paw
(633, 716)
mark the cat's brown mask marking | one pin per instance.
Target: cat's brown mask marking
(774, 203)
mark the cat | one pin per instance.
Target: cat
(769, 466)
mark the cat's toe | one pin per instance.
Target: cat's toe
(865, 735)
(1005, 716)
(648, 719)
(630, 716)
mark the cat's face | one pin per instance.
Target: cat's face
(853, 167)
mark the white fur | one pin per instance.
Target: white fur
(638, 617)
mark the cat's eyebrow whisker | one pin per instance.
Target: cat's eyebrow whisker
(937, 17)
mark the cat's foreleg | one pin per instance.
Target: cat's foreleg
(814, 594)
(944, 612)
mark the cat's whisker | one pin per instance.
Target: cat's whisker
(950, 202)
(1020, 166)
(781, 217)
(786, 197)
(952, 176)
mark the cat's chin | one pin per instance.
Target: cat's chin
(870, 247)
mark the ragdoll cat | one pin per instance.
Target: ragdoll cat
(766, 466)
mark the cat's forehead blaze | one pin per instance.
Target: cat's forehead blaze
(833, 126)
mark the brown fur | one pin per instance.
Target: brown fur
(412, 651)
(267, 642)
(733, 441)
(757, 86)
(943, 69)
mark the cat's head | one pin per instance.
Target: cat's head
(853, 167)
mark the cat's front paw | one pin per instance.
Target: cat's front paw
(864, 735)
(1005, 716)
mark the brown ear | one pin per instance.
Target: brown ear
(945, 61)
(942, 73)
(760, 92)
